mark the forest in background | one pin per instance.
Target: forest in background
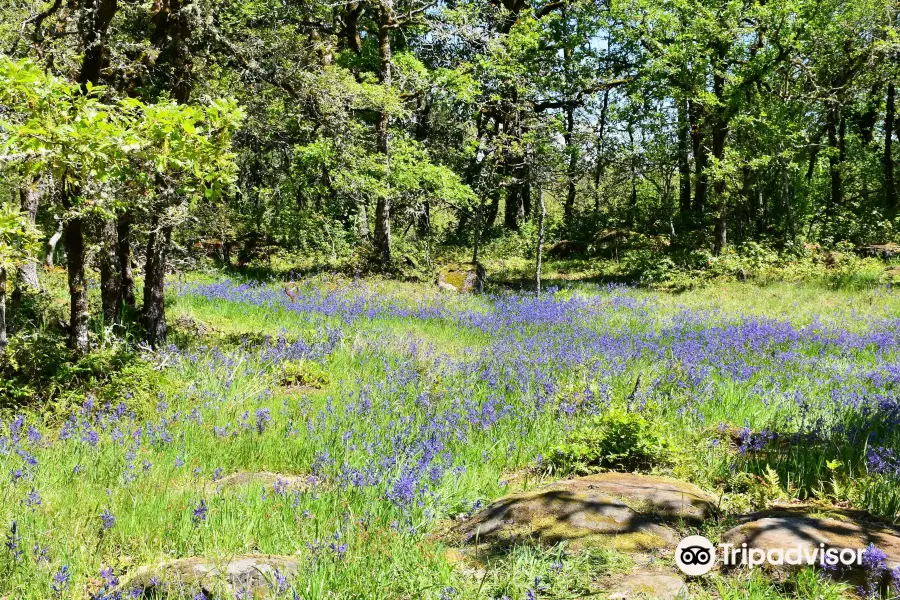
(387, 135)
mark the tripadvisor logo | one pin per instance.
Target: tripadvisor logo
(696, 556)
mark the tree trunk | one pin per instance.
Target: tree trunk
(600, 166)
(515, 195)
(93, 24)
(78, 293)
(363, 218)
(684, 165)
(27, 274)
(171, 32)
(890, 190)
(171, 35)
(721, 231)
(632, 168)
(50, 246)
(2, 309)
(349, 17)
(835, 197)
(110, 272)
(540, 241)
(525, 204)
(569, 209)
(719, 137)
(493, 207)
(383, 206)
(154, 310)
(701, 159)
(126, 275)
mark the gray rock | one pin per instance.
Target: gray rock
(255, 574)
(263, 479)
(649, 584)
(792, 529)
(661, 496)
(623, 511)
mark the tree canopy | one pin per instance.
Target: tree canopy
(374, 131)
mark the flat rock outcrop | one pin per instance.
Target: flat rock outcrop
(646, 584)
(617, 510)
(274, 481)
(776, 530)
(252, 575)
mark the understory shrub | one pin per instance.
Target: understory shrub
(304, 373)
(40, 369)
(616, 440)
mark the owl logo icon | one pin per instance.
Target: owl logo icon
(695, 555)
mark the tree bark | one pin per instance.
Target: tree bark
(154, 310)
(126, 275)
(720, 126)
(50, 246)
(540, 241)
(96, 16)
(73, 237)
(517, 194)
(600, 166)
(890, 190)
(489, 219)
(3, 339)
(835, 158)
(632, 168)
(171, 34)
(110, 272)
(349, 18)
(569, 209)
(701, 159)
(27, 275)
(383, 206)
(684, 166)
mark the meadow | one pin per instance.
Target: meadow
(402, 408)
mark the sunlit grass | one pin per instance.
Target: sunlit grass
(433, 402)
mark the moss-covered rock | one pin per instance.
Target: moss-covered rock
(464, 278)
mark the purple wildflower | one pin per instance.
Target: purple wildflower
(12, 540)
(200, 512)
(263, 417)
(61, 580)
(109, 576)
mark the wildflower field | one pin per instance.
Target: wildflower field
(391, 411)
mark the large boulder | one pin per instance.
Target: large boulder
(252, 576)
(661, 496)
(463, 278)
(784, 529)
(633, 513)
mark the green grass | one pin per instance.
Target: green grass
(413, 374)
